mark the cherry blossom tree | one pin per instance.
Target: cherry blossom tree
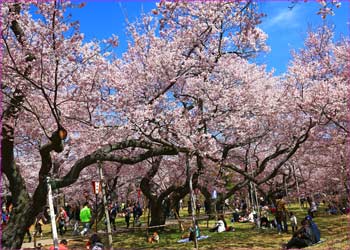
(318, 78)
(53, 84)
(176, 68)
(184, 88)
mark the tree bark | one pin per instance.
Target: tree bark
(14, 233)
(209, 202)
(157, 214)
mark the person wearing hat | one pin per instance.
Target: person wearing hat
(316, 232)
(302, 238)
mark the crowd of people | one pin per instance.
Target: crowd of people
(275, 215)
(76, 218)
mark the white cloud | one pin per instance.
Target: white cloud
(284, 18)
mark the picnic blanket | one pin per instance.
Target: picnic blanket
(188, 240)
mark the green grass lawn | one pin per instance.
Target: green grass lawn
(334, 230)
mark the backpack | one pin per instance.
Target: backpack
(113, 212)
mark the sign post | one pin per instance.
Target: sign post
(52, 214)
(96, 187)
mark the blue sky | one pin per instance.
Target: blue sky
(285, 27)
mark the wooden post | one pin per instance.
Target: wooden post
(192, 200)
(96, 211)
(109, 231)
(52, 215)
(257, 206)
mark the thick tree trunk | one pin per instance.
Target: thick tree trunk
(14, 233)
(24, 212)
(211, 207)
(157, 214)
(22, 215)
(25, 208)
(209, 202)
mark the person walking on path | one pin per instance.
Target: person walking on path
(61, 219)
(85, 218)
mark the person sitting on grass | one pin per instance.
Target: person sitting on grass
(316, 232)
(194, 232)
(94, 243)
(243, 219)
(62, 246)
(251, 216)
(304, 237)
(154, 238)
(220, 225)
(235, 216)
(332, 209)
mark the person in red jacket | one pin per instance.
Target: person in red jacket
(62, 246)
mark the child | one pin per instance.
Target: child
(293, 222)
(154, 238)
(264, 221)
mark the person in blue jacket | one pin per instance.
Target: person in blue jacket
(316, 232)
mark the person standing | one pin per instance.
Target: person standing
(113, 210)
(39, 222)
(85, 218)
(198, 207)
(75, 218)
(309, 200)
(281, 215)
(293, 222)
(127, 217)
(302, 201)
(313, 209)
(61, 219)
